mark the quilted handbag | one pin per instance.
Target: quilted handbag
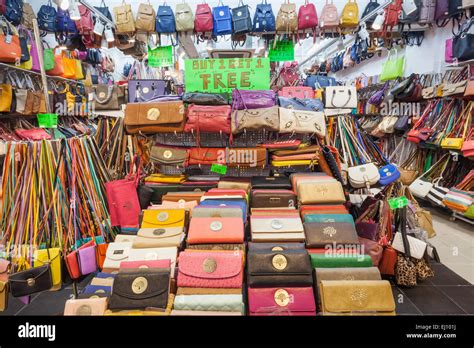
(218, 269)
(222, 20)
(264, 19)
(165, 22)
(302, 122)
(47, 17)
(243, 99)
(287, 19)
(203, 21)
(202, 118)
(214, 230)
(241, 20)
(256, 119)
(146, 18)
(184, 18)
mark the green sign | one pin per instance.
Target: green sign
(397, 203)
(160, 56)
(219, 168)
(225, 74)
(48, 120)
(282, 52)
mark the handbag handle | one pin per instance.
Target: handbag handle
(349, 92)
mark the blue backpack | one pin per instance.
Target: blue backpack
(14, 11)
(47, 17)
(264, 19)
(165, 23)
(222, 20)
(64, 23)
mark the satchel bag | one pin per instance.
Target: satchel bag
(341, 97)
(241, 20)
(222, 20)
(287, 19)
(264, 19)
(203, 22)
(146, 18)
(203, 118)
(184, 18)
(256, 119)
(302, 122)
(31, 281)
(393, 67)
(124, 22)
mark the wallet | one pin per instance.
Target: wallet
(322, 234)
(272, 198)
(157, 218)
(158, 237)
(204, 230)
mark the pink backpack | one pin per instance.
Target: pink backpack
(85, 26)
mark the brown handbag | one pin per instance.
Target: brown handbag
(154, 117)
(247, 157)
(106, 97)
(168, 155)
(28, 16)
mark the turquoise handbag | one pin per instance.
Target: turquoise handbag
(329, 218)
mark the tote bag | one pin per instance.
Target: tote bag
(393, 67)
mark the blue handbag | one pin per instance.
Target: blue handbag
(14, 11)
(301, 104)
(388, 174)
(238, 203)
(323, 218)
(64, 23)
(47, 17)
(165, 23)
(319, 81)
(222, 20)
(264, 19)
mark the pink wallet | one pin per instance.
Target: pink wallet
(281, 301)
(210, 230)
(146, 264)
(218, 269)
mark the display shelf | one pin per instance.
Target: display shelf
(206, 170)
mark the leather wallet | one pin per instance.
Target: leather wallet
(233, 203)
(168, 155)
(302, 150)
(317, 193)
(102, 281)
(234, 183)
(278, 229)
(349, 273)
(157, 218)
(272, 198)
(152, 254)
(329, 218)
(281, 301)
(325, 260)
(217, 247)
(158, 237)
(187, 313)
(146, 264)
(31, 281)
(247, 157)
(219, 269)
(280, 212)
(271, 182)
(101, 250)
(204, 230)
(140, 288)
(358, 297)
(3, 295)
(279, 269)
(84, 307)
(185, 196)
(227, 303)
(116, 253)
(275, 246)
(217, 212)
(97, 289)
(322, 234)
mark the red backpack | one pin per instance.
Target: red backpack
(85, 26)
(392, 16)
(308, 18)
(203, 21)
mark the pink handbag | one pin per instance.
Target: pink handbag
(32, 134)
(307, 17)
(220, 269)
(216, 230)
(146, 264)
(207, 118)
(448, 51)
(282, 301)
(297, 92)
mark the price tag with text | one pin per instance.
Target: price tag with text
(48, 120)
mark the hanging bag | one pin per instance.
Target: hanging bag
(47, 17)
(10, 49)
(222, 20)
(184, 18)
(329, 17)
(350, 15)
(393, 67)
(241, 20)
(287, 19)
(264, 19)
(124, 21)
(146, 18)
(203, 22)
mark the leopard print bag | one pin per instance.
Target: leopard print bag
(405, 271)
(423, 269)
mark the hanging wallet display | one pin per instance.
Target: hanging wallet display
(158, 237)
(204, 230)
(279, 269)
(272, 199)
(140, 288)
(322, 234)
(281, 301)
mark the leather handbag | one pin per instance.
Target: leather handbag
(205, 98)
(10, 49)
(202, 118)
(323, 234)
(308, 18)
(302, 122)
(140, 288)
(284, 268)
(106, 97)
(243, 99)
(168, 155)
(87, 260)
(247, 157)
(85, 307)
(320, 193)
(47, 17)
(468, 145)
(161, 218)
(264, 19)
(222, 20)
(123, 203)
(350, 15)
(124, 21)
(363, 175)
(146, 18)
(158, 237)
(256, 119)
(210, 230)
(301, 104)
(117, 252)
(101, 254)
(358, 297)
(274, 246)
(417, 246)
(184, 18)
(341, 97)
(201, 155)
(297, 92)
(203, 21)
(241, 20)
(271, 182)
(4, 269)
(333, 260)
(216, 269)
(287, 19)
(51, 257)
(153, 117)
(165, 22)
(276, 229)
(281, 301)
(31, 281)
(329, 16)
(272, 198)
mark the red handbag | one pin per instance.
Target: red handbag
(468, 145)
(32, 134)
(101, 251)
(205, 118)
(307, 17)
(297, 92)
(392, 15)
(86, 26)
(72, 263)
(203, 21)
(202, 155)
(122, 199)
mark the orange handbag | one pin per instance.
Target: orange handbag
(6, 96)
(101, 250)
(58, 69)
(10, 50)
(204, 230)
(69, 65)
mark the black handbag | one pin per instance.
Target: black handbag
(145, 195)
(463, 42)
(31, 281)
(402, 123)
(241, 19)
(205, 98)
(25, 52)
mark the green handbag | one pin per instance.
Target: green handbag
(48, 59)
(470, 212)
(324, 260)
(393, 67)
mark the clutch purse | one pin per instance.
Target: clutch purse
(322, 234)
(279, 269)
(116, 253)
(321, 193)
(218, 269)
(31, 281)
(358, 297)
(140, 288)
(158, 237)
(84, 307)
(168, 155)
(282, 229)
(215, 230)
(154, 254)
(217, 212)
(275, 246)
(271, 182)
(156, 218)
(281, 301)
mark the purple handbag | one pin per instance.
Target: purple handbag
(145, 90)
(242, 99)
(87, 260)
(367, 230)
(442, 10)
(448, 51)
(378, 97)
(81, 55)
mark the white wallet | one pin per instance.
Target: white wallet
(116, 253)
(417, 246)
(124, 238)
(277, 229)
(155, 254)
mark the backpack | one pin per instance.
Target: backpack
(329, 18)
(222, 20)
(104, 10)
(165, 23)
(47, 17)
(287, 19)
(427, 11)
(350, 14)
(64, 23)
(14, 11)
(371, 7)
(264, 19)
(307, 17)
(392, 16)
(455, 8)
(85, 26)
(203, 21)
(241, 19)
(184, 17)
(146, 18)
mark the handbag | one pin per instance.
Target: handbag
(297, 92)
(47, 17)
(222, 18)
(255, 119)
(124, 21)
(205, 98)
(34, 134)
(405, 270)
(264, 19)
(467, 148)
(30, 281)
(329, 17)
(215, 230)
(448, 51)
(117, 252)
(105, 97)
(308, 18)
(14, 11)
(201, 118)
(168, 155)
(287, 19)
(243, 99)
(302, 122)
(203, 21)
(393, 68)
(165, 22)
(10, 49)
(184, 18)
(6, 97)
(350, 15)
(51, 257)
(145, 90)
(83, 307)
(341, 97)
(146, 18)
(241, 20)
(301, 104)
(463, 42)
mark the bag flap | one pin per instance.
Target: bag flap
(206, 154)
(168, 154)
(364, 172)
(279, 262)
(146, 9)
(118, 251)
(163, 217)
(210, 265)
(160, 233)
(42, 256)
(143, 284)
(35, 273)
(138, 114)
(146, 254)
(357, 296)
(329, 232)
(275, 225)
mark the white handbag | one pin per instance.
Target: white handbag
(277, 229)
(152, 254)
(388, 124)
(302, 122)
(124, 238)
(363, 175)
(116, 253)
(417, 246)
(339, 97)
(420, 188)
